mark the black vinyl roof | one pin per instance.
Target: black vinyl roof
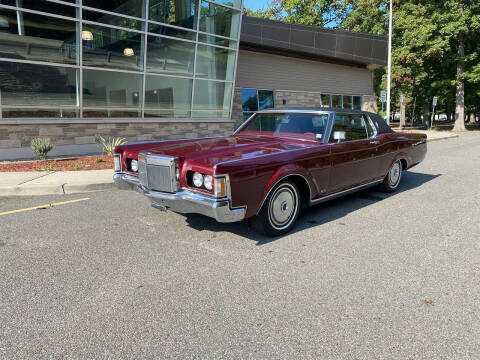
(328, 45)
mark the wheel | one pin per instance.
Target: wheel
(280, 210)
(393, 178)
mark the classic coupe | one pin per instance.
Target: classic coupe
(278, 162)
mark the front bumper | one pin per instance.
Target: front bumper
(184, 202)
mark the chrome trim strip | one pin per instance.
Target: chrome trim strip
(344, 192)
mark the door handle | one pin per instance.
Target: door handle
(375, 142)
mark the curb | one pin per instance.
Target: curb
(63, 189)
(444, 138)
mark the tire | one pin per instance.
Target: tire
(280, 210)
(393, 178)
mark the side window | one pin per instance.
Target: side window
(354, 127)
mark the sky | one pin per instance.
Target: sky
(256, 4)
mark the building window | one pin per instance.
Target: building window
(119, 58)
(254, 100)
(354, 102)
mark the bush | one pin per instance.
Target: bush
(41, 147)
(108, 145)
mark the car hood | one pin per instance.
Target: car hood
(211, 151)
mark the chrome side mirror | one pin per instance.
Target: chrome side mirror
(339, 136)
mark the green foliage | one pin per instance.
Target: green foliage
(427, 37)
(41, 147)
(108, 145)
(98, 160)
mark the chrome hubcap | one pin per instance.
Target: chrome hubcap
(282, 207)
(394, 174)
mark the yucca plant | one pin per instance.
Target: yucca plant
(41, 147)
(108, 145)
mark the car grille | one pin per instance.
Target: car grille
(157, 173)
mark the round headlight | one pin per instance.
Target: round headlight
(208, 182)
(134, 165)
(197, 179)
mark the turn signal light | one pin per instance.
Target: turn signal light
(220, 187)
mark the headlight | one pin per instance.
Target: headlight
(197, 179)
(134, 165)
(208, 182)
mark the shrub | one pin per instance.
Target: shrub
(108, 145)
(98, 160)
(41, 147)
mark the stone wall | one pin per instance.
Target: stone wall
(296, 99)
(18, 136)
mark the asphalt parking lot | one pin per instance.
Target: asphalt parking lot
(370, 276)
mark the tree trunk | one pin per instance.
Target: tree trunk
(426, 116)
(460, 109)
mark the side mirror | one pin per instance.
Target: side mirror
(339, 136)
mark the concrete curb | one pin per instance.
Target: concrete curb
(55, 183)
(444, 138)
(64, 189)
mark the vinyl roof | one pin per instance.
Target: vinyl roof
(322, 44)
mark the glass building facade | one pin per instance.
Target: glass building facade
(118, 58)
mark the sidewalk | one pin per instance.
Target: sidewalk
(54, 183)
(432, 135)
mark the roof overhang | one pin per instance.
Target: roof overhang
(328, 45)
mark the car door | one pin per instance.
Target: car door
(354, 158)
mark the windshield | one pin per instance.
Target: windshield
(310, 126)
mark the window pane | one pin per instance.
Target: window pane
(111, 89)
(246, 115)
(169, 31)
(217, 41)
(215, 63)
(357, 102)
(168, 92)
(353, 126)
(174, 12)
(28, 84)
(326, 100)
(336, 101)
(39, 113)
(42, 38)
(219, 20)
(211, 95)
(111, 48)
(347, 102)
(168, 56)
(113, 20)
(45, 6)
(266, 99)
(127, 7)
(249, 100)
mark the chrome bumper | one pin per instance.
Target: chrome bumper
(184, 202)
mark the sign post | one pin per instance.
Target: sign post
(435, 102)
(383, 98)
(402, 111)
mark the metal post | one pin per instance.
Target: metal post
(389, 81)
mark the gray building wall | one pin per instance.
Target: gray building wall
(266, 71)
(299, 82)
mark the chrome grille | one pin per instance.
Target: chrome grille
(157, 172)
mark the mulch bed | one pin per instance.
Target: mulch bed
(70, 164)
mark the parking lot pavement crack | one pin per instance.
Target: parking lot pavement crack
(63, 189)
(39, 177)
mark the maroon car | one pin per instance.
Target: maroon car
(276, 163)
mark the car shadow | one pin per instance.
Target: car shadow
(316, 215)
